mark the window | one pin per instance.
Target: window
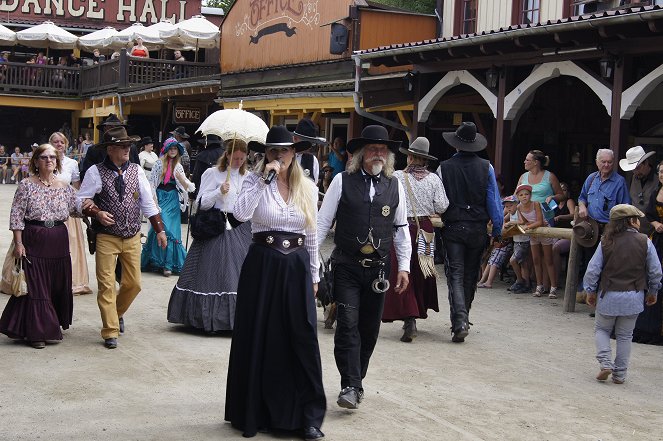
(526, 11)
(466, 17)
(580, 7)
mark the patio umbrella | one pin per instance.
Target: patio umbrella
(235, 123)
(100, 39)
(126, 36)
(7, 36)
(163, 26)
(196, 31)
(47, 35)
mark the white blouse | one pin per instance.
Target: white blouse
(264, 206)
(429, 195)
(70, 172)
(147, 159)
(210, 194)
(182, 190)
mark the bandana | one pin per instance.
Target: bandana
(119, 180)
(417, 171)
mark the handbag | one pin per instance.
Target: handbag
(207, 224)
(425, 240)
(19, 286)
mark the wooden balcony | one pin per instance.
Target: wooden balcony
(120, 75)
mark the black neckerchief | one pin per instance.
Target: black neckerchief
(119, 181)
(367, 183)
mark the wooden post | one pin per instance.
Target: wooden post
(572, 268)
(124, 68)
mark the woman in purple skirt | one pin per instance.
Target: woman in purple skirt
(41, 205)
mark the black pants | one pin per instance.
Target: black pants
(359, 312)
(464, 245)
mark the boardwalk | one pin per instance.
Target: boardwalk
(526, 372)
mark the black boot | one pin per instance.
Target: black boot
(410, 332)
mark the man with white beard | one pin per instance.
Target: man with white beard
(369, 208)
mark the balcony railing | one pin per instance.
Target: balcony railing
(121, 74)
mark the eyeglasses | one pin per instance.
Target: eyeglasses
(48, 157)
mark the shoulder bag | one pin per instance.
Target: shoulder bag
(425, 240)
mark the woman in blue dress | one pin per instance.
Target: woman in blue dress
(170, 187)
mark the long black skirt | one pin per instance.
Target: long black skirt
(274, 372)
(649, 326)
(49, 303)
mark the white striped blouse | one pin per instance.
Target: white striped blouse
(264, 206)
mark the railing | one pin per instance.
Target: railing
(117, 75)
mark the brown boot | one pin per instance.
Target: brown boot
(410, 332)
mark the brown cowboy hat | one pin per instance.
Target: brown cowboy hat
(118, 136)
(111, 121)
(586, 232)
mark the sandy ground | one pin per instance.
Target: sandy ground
(526, 372)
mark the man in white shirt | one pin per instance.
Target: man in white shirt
(369, 207)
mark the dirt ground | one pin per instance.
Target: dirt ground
(526, 372)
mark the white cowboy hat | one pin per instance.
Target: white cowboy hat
(634, 157)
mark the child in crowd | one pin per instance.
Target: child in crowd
(521, 253)
(502, 250)
(540, 247)
(624, 265)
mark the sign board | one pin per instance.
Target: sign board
(188, 113)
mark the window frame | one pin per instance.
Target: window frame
(460, 20)
(518, 11)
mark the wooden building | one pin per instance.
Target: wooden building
(565, 76)
(287, 62)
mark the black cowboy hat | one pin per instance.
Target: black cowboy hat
(145, 141)
(466, 138)
(372, 135)
(307, 131)
(179, 131)
(117, 136)
(278, 136)
(210, 140)
(111, 121)
(420, 148)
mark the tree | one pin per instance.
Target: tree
(223, 4)
(421, 6)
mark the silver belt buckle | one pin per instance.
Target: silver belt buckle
(49, 223)
(363, 262)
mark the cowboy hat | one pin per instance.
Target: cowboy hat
(111, 120)
(372, 135)
(179, 131)
(117, 136)
(145, 140)
(170, 143)
(621, 211)
(278, 136)
(420, 148)
(466, 138)
(210, 140)
(634, 157)
(586, 232)
(307, 131)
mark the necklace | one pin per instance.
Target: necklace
(47, 184)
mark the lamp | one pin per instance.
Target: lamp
(492, 76)
(408, 82)
(607, 67)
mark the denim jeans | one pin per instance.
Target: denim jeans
(623, 326)
(463, 244)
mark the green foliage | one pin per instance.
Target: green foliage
(223, 4)
(422, 6)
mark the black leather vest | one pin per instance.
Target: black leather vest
(465, 178)
(307, 165)
(354, 217)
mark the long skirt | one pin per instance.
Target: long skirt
(206, 292)
(80, 278)
(421, 293)
(153, 257)
(649, 326)
(274, 371)
(49, 304)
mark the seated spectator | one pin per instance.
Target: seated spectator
(563, 217)
(15, 160)
(502, 250)
(4, 166)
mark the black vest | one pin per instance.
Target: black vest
(307, 165)
(465, 178)
(354, 217)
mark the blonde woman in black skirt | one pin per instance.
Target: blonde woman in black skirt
(274, 372)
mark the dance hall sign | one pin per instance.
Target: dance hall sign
(100, 12)
(277, 32)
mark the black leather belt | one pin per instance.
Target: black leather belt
(372, 262)
(282, 241)
(47, 224)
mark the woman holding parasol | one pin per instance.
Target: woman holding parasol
(205, 294)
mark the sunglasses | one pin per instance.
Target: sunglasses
(48, 157)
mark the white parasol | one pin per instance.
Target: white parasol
(196, 32)
(235, 123)
(47, 35)
(126, 37)
(100, 39)
(163, 26)
(7, 36)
